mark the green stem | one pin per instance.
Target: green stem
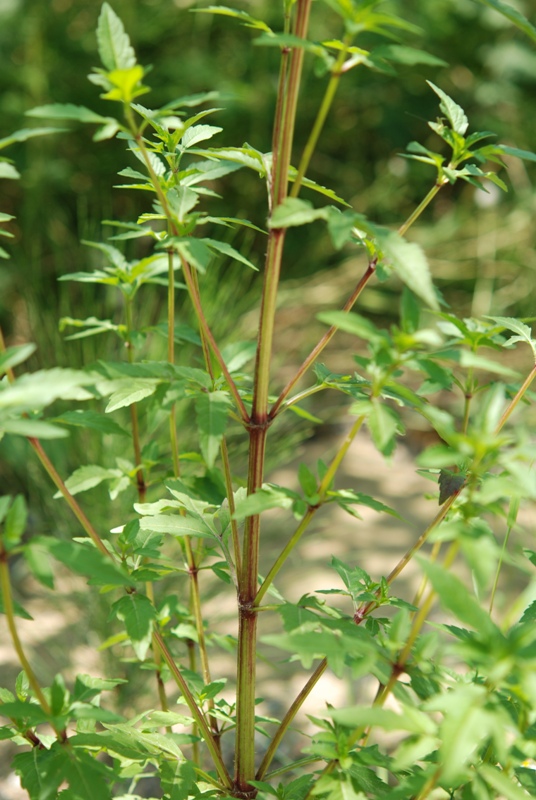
(515, 400)
(311, 511)
(323, 112)
(71, 502)
(7, 599)
(420, 208)
(196, 301)
(230, 498)
(324, 341)
(140, 480)
(194, 296)
(279, 111)
(195, 711)
(289, 716)
(406, 558)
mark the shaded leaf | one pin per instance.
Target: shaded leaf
(212, 410)
(138, 614)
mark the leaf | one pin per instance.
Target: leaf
(408, 55)
(411, 719)
(181, 200)
(383, 424)
(455, 597)
(87, 477)
(37, 773)
(526, 155)
(68, 111)
(138, 614)
(475, 360)
(13, 356)
(31, 427)
(198, 133)
(212, 410)
(132, 391)
(23, 135)
(18, 610)
(261, 500)
(36, 390)
(87, 687)
(15, 522)
(499, 781)
(292, 212)
(410, 264)
(8, 171)
(350, 322)
(176, 525)
(513, 15)
(38, 560)
(524, 333)
(227, 250)
(92, 420)
(245, 18)
(86, 560)
(453, 112)
(114, 46)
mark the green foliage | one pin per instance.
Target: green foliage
(464, 689)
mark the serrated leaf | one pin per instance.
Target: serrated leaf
(133, 391)
(513, 15)
(199, 133)
(227, 250)
(181, 201)
(87, 687)
(524, 333)
(194, 251)
(293, 211)
(35, 391)
(410, 264)
(114, 46)
(87, 477)
(263, 499)
(176, 525)
(86, 560)
(383, 424)
(245, 18)
(138, 614)
(453, 112)
(212, 410)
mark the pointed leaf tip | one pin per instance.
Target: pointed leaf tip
(113, 43)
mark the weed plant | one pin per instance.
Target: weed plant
(461, 696)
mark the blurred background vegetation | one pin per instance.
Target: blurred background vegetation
(481, 246)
